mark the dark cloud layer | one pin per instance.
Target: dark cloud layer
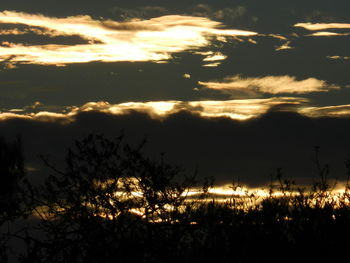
(250, 151)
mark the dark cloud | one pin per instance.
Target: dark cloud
(226, 149)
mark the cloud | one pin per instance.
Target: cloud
(234, 109)
(277, 36)
(327, 111)
(14, 31)
(284, 46)
(241, 109)
(212, 65)
(328, 34)
(268, 85)
(338, 57)
(214, 58)
(322, 26)
(227, 14)
(109, 41)
(217, 56)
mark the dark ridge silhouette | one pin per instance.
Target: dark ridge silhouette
(111, 203)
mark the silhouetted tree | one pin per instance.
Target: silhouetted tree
(11, 195)
(103, 203)
(11, 173)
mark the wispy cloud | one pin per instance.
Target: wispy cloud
(268, 85)
(137, 40)
(212, 65)
(211, 58)
(277, 36)
(328, 34)
(284, 46)
(217, 56)
(327, 111)
(322, 26)
(338, 57)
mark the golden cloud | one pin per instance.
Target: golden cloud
(217, 56)
(234, 109)
(213, 59)
(284, 46)
(212, 65)
(338, 57)
(328, 34)
(322, 26)
(268, 85)
(327, 111)
(14, 31)
(243, 109)
(277, 36)
(109, 41)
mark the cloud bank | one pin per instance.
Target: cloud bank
(239, 110)
(233, 109)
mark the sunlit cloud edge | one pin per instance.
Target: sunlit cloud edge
(242, 110)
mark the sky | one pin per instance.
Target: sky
(234, 88)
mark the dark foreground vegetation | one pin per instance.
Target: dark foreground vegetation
(112, 204)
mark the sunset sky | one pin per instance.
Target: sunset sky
(236, 88)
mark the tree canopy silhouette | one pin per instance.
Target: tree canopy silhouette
(106, 188)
